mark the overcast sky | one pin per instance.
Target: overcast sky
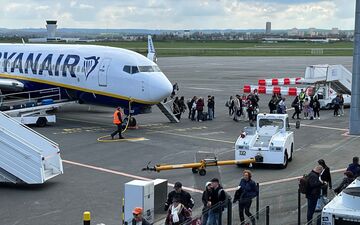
(179, 14)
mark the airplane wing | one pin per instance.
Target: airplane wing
(151, 50)
(11, 85)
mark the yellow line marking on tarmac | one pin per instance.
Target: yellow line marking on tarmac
(123, 174)
(195, 137)
(105, 139)
(283, 180)
(320, 127)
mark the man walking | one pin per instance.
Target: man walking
(313, 191)
(216, 202)
(117, 120)
(183, 196)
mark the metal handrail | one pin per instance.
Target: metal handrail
(15, 136)
(42, 136)
(42, 91)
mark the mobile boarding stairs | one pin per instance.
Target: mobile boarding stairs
(25, 155)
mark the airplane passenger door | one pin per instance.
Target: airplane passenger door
(103, 71)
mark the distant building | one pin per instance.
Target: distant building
(186, 33)
(293, 32)
(335, 31)
(51, 26)
(268, 28)
(312, 32)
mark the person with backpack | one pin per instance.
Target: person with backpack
(217, 200)
(325, 176)
(316, 107)
(354, 167)
(246, 192)
(177, 213)
(348, 179)
(206, 197)
(313, 190)
(272, 104)
(341, 105)
(230, 105)
(211, 106)
(336, 103)
(237, 108)
(301, 97)
(191, 108)
(296, 105)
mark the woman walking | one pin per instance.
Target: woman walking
(246, 192)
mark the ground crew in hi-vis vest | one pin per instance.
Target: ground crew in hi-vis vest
(118, 115)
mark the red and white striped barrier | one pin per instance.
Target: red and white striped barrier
(280, 81)
(269, 90)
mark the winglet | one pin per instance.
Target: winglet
(22, 39)
(151, 50)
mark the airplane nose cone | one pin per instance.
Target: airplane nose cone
(161, 88)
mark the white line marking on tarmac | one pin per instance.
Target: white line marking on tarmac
(207, 89)
(195, 137)
(320, 127)
(123, 174)
(346, 134)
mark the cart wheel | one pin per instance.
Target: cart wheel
(41, 122)
(285, 163)
(194, 170)
(202, 172)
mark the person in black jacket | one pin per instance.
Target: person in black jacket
(348, 179)
(313, 191)
(296, 105)
(354, 167)
(325, 176)
(246, 192)
(206, 200)
(178, 193)
(217, 199)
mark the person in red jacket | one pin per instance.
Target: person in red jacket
(200, 109)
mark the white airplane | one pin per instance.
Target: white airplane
(89, 74)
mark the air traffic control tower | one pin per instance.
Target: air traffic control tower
(51, 29)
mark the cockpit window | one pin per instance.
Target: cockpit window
(146, 69)
(127, 69)
(137, 69)
(149, 69)
(134, 69)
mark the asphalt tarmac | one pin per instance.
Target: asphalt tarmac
(95, 172)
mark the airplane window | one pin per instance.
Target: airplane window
(156, 69)
(146, 69)
(134, 69)
(126, 69)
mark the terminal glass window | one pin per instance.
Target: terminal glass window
(271, 122)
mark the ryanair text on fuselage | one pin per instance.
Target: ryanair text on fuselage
(54, 65)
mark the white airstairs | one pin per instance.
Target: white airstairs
(25, 155)
(165, 108)
(337, 76)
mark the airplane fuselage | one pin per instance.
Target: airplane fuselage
(91, 74)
